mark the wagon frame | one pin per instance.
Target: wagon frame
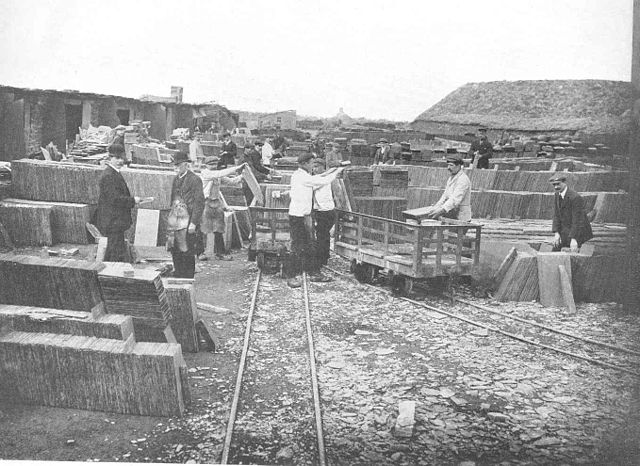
(407, 251)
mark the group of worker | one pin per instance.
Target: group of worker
(198, 208)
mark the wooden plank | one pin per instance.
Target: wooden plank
(250, 179)
(504, 266)
(146, 232)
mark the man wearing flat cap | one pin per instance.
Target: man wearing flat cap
(570, 226)
(187, 195)
(383, 153)
(213, 175)
(455, 202)
(481, 149)
(113, 215)
(229, 150)
(332, 156)
(303, 185)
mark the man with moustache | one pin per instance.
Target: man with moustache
(187, 190)
(570, 226)
(455, 202)
(113, 216)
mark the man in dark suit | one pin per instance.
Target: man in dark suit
(571, 226)
(113, 216)
(253, 158)
(187, 188)
(383, 153)
(481, 149)
(229, 150)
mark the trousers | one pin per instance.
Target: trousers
(324, 222)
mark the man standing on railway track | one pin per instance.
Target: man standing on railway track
(303, 185)
(455, 202)
(571, 226)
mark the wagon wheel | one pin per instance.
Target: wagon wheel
(261, 260)
(407, 285)
(365, 273)
(401, 284)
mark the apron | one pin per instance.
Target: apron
(177, 225)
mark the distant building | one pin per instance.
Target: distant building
(279, 120)
(32, 118)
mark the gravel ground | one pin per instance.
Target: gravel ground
(479, 397)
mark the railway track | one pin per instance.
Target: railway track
(277, 375)
(532, 333)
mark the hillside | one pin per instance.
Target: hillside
(587, 105)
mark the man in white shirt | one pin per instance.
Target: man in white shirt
(455, 202)
(267, 153)
(303, 185)
(325, 215)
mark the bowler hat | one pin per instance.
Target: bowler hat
(116, 150)
(558, 177)
(454, 158)
(180, 157)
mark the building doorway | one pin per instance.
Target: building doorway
(73, 121)
(123, 116)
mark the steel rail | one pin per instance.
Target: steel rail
(497, 330)
(545, 327)
(314, 375)
(241, 367)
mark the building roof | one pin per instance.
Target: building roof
(90, 95)
(588, 105)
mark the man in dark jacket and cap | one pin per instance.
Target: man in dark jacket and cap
(113, 216)
(571, 226)
(186, 194)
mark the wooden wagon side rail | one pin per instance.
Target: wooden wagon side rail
(451, 241)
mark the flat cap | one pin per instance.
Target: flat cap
(212, 160)
(454, 158)
(558, 177)
(383, 140)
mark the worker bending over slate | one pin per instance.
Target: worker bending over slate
(455, 202)
(303, 184)
(113, 215)
(187, 204)
(213, 175)
(570, 226)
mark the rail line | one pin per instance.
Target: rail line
(317, 414)
(535, 334)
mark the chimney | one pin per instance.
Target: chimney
(176, 93)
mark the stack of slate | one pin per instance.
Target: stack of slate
(92, 373)
(140, 295)
(520, 282)
(360, 182)
(183, 309)
(51, 283)
(45, 320)
(56, 181)
(386, 207)
(392, 183)
(54, 222)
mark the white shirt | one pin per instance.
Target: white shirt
(323, 199)
(302, 187)
(114, 167)
(457, 193)
(267, 154)
(563, 193)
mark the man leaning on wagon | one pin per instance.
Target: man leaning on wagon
(455, 202)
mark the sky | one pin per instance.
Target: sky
(375, 58)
